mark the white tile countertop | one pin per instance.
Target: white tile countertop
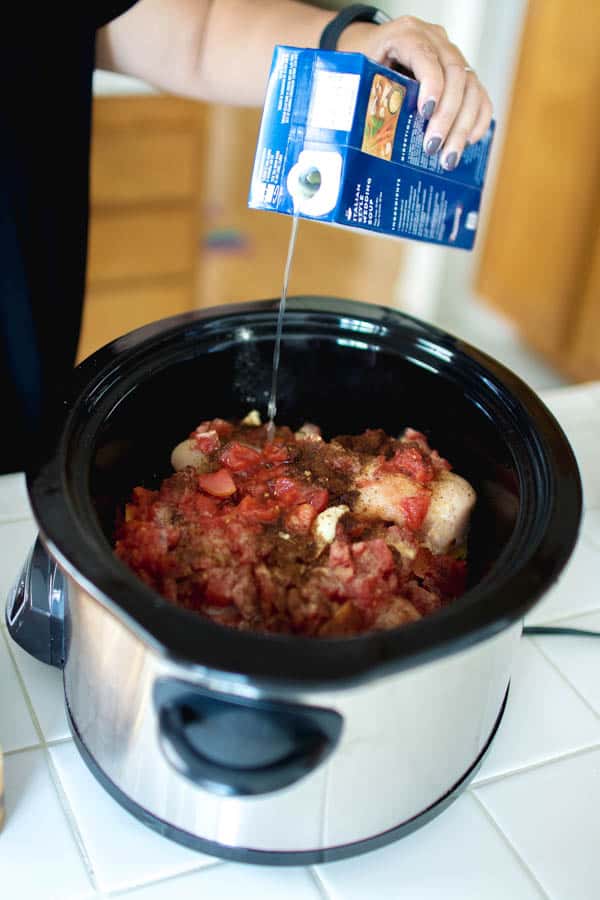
(527, 828)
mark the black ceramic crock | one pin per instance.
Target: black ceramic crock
(133, 663)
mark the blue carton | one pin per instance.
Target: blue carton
(341, 141)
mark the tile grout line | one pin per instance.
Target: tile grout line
(61, 795)
(550, 661)
(28, 702)
(177, 876)
(318, 882)
(14, 520)
(511, 847)
(58, 742)
(493, 779)
(29, 749)
(577, 614)
(71, 820)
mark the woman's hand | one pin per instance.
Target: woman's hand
(451, 96)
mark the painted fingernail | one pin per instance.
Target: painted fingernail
(451, 161)
(428, 109)
(433, 145)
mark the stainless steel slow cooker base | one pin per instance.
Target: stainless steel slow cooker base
(276, 748)
(283, 858)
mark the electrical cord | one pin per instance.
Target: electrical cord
(557, 630)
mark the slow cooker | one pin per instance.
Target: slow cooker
(272, 748)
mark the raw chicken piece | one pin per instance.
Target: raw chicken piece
(440, 511)
(382, 494)
(447, 519)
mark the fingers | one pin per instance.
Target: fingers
(455, 81)
(410, 45)
(424, 62)
(451, 97)
(483, 120)
(461, 130)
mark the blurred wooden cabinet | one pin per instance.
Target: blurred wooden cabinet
(145, 192)
(541, 259)
(243, 251)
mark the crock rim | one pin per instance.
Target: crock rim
(518, 579)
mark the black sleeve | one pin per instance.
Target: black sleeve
(104, 11)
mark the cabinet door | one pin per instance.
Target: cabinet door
(584, 359)
(543, 228)
(146, 169)
(111, 310)
(141, 242)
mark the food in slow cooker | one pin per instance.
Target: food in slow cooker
(286, 532)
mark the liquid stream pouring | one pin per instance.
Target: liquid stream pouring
(341, 142)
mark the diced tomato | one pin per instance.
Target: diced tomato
(318, 498)
(205, 506)
(374, 577)
(240, 457)
(275, 452)
(142, 507)
(286, 490)
(291, 493)
(254, 509)
(373, 557)
(225, 585)
(415, 509)
(417, 437)
(267, 589)
(142, 495)
(144, 498)
(224, 429)
(173, 536)
(254, 488)
(145, 545)
(258, 481)
(300, 518)
(242, 539)
(206, 441)
(339, 554)
(424, 601)
(410, 461)
(438, 462)
(217, 484)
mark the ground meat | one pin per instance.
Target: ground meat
(266, 532)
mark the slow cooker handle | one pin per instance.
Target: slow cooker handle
(233, 746)
(35, 608)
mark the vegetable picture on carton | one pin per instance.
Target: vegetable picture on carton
(385, 103)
